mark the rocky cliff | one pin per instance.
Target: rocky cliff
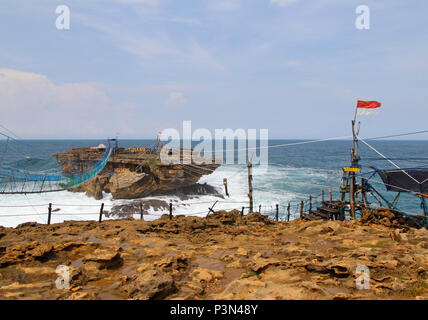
(224, 256)
(133, 173)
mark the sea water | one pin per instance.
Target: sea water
(294, 172)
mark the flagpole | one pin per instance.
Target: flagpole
(355, 115)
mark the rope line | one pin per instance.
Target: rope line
(392, 162)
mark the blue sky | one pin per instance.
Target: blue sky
(137, 67)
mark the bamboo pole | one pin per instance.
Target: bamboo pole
(101, 212)
(225, 187)
(250, 185)
(141, 211)
(301, 209)
(49, 213)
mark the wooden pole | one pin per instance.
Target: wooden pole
(170, 210)
(242, 212)
(330, 190)
(49, 213)
(323, 200)
(344, 185)
(288, 212)
(310, 204)
(250, 184)
(363, 192)
(225, 187)
(352, 188)
(211, 209)
(301, 209)
(141, 211)
(101, 212)
(354, 162)
(277, 213)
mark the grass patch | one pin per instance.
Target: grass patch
(379, 245)
(251, 273)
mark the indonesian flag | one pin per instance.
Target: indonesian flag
(365, 108)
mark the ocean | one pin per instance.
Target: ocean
(294, 173)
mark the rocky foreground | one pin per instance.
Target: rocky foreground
(224, 256)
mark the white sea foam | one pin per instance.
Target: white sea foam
(273, 187)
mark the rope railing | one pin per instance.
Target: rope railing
(268, 210)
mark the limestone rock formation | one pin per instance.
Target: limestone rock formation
(224, 256)
(133, 173)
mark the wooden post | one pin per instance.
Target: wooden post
(141, 211)
(330, 190)
(310, 204)
(225, 187)
(211, 209)
(363, 192)
(344, 185)
(250, 184)
(301, 209)
(322, 195)
(352, 188)
(101, 212)
(242, 212)
(288, 212)
(49, 213)
(260, 208)
(277, 213)
(170, 210)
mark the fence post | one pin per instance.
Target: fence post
(170, 210)
(288, 212)
(277, 213)
(225, 187)
(49, 213)
(310, 204)
(141, 211)
(330, 190)
(242, 212)
(301, 209)
(250, 184)
(101, 212)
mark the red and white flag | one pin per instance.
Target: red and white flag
(365, 108)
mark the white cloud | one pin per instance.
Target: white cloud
(159, 46)
(147, 2)
(34, 107)
(176, 99)
(225, 5)
(282, 3)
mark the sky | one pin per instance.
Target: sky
(294, 67)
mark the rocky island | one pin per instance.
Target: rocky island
(133, 173)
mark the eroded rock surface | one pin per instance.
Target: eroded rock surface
(131, 174)
(224, 256)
